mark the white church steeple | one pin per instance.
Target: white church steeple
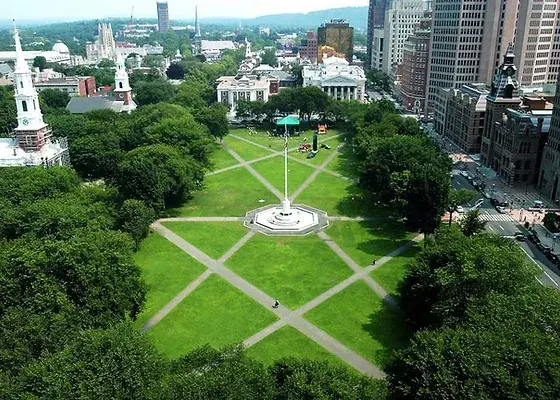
(123, 91)
(29, 114)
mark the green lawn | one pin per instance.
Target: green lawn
(390, 274)
(292, 269)
(358, 318)
(247, 151)
(231, 194)
(221, 158)
(345, 163)
(215, 313)
(289, 342)
(272, 142)
(339, 197)
(273, 171)
(213, 238)
(319, 158)
(166, 269)
(365, 241)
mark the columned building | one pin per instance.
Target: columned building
(32, 144)
(231, 89)
(337, 78)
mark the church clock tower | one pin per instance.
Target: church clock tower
(123, 91)
(31, 132)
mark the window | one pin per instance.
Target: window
(21, 84)
(24, 105)
(120, 85)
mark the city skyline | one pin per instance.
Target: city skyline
(62, 10)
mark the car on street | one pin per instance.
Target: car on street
(479, 203)
(553, 257)
(519, 236)
(534, 238)
(501, 209)
(546, 249)
(465, 173)
(460, 209)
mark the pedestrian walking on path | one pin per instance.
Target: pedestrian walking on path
(374, 260)
(276, 304)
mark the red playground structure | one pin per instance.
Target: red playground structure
(322, 129)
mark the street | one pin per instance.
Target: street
(505, 225)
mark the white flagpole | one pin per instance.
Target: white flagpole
(286, 161)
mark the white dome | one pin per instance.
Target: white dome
(61, 48)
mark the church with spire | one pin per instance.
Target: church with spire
(197, 40)
(31, 143)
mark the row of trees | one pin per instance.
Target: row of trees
(485, 328)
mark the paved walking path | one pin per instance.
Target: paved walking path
(202, 219)
(312, 177)
(305, 327)
(176, 300)
(256, 160)
(252, 171)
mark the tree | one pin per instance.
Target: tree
(471, 224)
(96, 156)
(310, 100)
(215, 119)
(40, 62)
(159, 175)
(8, 113)
(135, 218)
(269, 57)
(228, 374)
(307, 379)
(175, 71)
(552, 222)
(53, 98)
(154, 61)
(457, 198)
(455, 271)
(106, 63)
(121, 354)
(154, 92)
(379, 80)
(297, 73)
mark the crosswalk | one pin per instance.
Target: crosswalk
(496, 217)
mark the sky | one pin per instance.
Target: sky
(178, 9)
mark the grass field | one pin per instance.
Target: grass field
(166, 269)
(229, 194)
(215, 313)
(277, 142)
(339, 197)
(390, 274)
(292, 269)
(358, 318)
(213, 238)
(273, 171)
(247, 151)
(289, 342)
(365, 241)
(221, 158)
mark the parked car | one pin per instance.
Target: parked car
(519, 236)
(465, 174)
(501, 209)
(546, 249)
(460, 209)
(534, 238)
(553, 257)
(479, 202)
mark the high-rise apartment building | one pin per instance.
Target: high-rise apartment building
(415, 66)
(376, 19)
(163, 16)
(467, 40)
(537, 42)
(338, 35)
(401, 17)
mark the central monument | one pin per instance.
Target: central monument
(285, 218)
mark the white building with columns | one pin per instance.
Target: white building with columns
(32, 143)
(231, 89)
(337, 78)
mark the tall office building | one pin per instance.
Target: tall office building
(401, 17)
(338, 35)
(550, 165)
(537, 48)
(467, 39)
(163, 16)
(376, 19)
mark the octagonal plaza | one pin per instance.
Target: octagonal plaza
(300, 221)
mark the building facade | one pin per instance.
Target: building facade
(401, 18)
(337, 78)
(376, 19)
(504, 94)
(231, 89)
(162, 16)
(414, 69)
(308, 48)
(104, 46)
(73, 85)
(467, 40)
(550, 166)
(461, 115)
(537, 42)
(32, 143)
(337, 34)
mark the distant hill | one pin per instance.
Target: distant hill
(356, 16)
